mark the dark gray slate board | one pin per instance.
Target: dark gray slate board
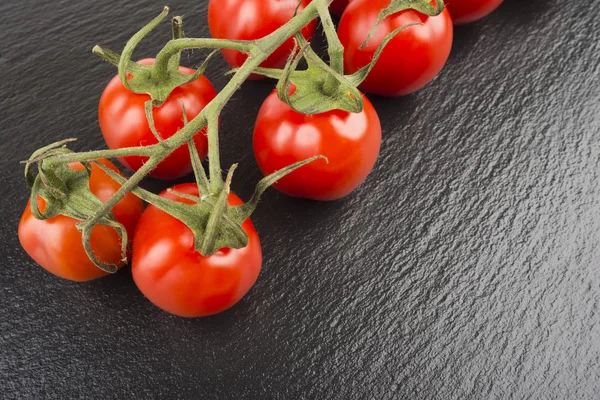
(466, 267)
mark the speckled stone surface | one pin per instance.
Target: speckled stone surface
(466, 267)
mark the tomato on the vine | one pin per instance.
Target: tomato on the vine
(124, 124)
(251, 20)
(410, 60)
(465, 11)
(175, 277)
(56, 244)
(349, 141)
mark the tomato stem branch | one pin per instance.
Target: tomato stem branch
(335, 49)
(176, 46)
(214, 159)
(98, 154)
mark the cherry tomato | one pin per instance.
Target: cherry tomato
(465, 11)
(350, 142)
(56, 244)
(410, 60)
(178, 279)
(338, 6)
(123, 122)
(254, 19)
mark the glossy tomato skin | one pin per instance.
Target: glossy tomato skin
(350, 141)
(123, 122)
(338, 6)
(178, 279)
(410, 60)
(56, 245)
(254, 19)
(465, 11)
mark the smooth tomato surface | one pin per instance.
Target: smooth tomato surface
(123, 122)
(410, 60)
(465, 11)
(254, 19)
(56, 245)
(350, 142)
(338, 6)
(178, 279)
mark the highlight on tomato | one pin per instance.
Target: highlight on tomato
(349, 141)
(465, 11)
(124, 124)
(175, 277)
(56, 244)
(251, 20)
(409, 61)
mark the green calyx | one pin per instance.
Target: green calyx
(66, 192)
(158, 80)
(315, 90)
(214, 223)
(322, 87)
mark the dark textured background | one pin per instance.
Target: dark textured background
(465, 267)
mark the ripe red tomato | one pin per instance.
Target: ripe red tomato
(338, 6)
(254, 19)
(410, 60)
(56, 245)
(350, 141)
(178, 279)
(123, 122)
(465, 11)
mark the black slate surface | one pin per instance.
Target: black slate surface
(466, 267)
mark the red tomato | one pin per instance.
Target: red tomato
(123, 122)
(338, 6)
(465, 11)
(350, 142)
(254, 19)
(56, 244)
(178, 279)
(410, 60)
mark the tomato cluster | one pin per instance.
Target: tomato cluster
(166, 266)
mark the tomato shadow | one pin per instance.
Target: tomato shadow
(278, 210)
(396, 112)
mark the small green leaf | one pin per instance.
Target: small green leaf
(145, 79)
(241, 213)
(125, 58)
(308, 96)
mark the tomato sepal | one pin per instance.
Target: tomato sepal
(195, 216)
(304, 90)
(67, 192)
(244, 211)
(153, 80)
(321, 87)
(214, 224)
